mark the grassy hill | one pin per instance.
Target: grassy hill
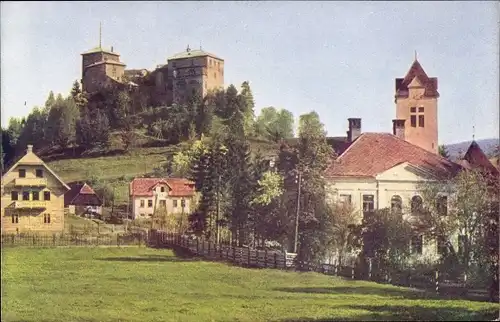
(117, 168)
(143, 284)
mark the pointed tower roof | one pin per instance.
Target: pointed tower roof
(416, 71)
(477, 159)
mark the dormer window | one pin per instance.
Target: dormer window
(39, 173)
(22, 173)
(162, 189)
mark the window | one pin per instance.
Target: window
(14, 195)
(396, 203)
(421, 121)
(414, 115)
(150, 203)
(368, 204)
(46, 218)
(174, 203)
(416, 244)
(441, 245)
(442, 205)
(142, 204)
(15, 218)
(36, 195)
(345, 199)
(163, 204)
(39, 173)
(183, 203)
(46, 195)
(416, 205)
(26, 195)
(22, 173)
(162, 189)
(413, 121)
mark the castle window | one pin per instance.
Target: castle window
(421, 120)
(421, 109)
(413, 120)
(413, 110)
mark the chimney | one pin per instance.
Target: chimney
(111, 48)
(398, 128)
(354, 129)
(30, 148)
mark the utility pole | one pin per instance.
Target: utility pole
(299, 179)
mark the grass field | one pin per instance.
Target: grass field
(141, 284)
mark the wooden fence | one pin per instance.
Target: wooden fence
(134, 239)
(244, 256)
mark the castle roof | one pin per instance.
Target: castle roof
(100, 50)
(429, 83)
(111, 62)
(188, 53)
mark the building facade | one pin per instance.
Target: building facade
(100, 69)
(416, 101)
(149, 195)
(82, 200)
(32, 197)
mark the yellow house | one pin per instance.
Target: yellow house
(32, 197)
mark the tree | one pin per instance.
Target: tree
(342, 219)
(461, 204)
(249, 102)
(274, 125)
(314, 155)
(269, 188)
(65, 124)
(444, 152)
(14, 130)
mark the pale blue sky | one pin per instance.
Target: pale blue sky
(337, 58)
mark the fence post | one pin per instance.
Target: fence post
(197, 245)
(284, 262)
(54, 239)
(234, 253)
(248, 256)
(437, 280)
(275, 260)
(209, 248)
(336, 269)
(352, 271)
(265, 257)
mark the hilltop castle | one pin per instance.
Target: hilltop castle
(184, 74)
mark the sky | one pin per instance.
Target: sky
(339, 59)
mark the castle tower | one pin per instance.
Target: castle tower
(416, 102)
(194, 71)
(101, 68)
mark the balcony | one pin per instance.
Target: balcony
(30, 204)
(30, 182)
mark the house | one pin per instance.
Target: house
(382, 170)
(82, 199)
(175, 195)
(32, 197)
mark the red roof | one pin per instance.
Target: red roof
(179, 187)
(373, 153)
(416, 70)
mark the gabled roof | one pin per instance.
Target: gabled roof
(188, 53)
(81, 194)
(475, 158)
(373, 153)
(179, 187)
(429, 83)
(31, 158)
